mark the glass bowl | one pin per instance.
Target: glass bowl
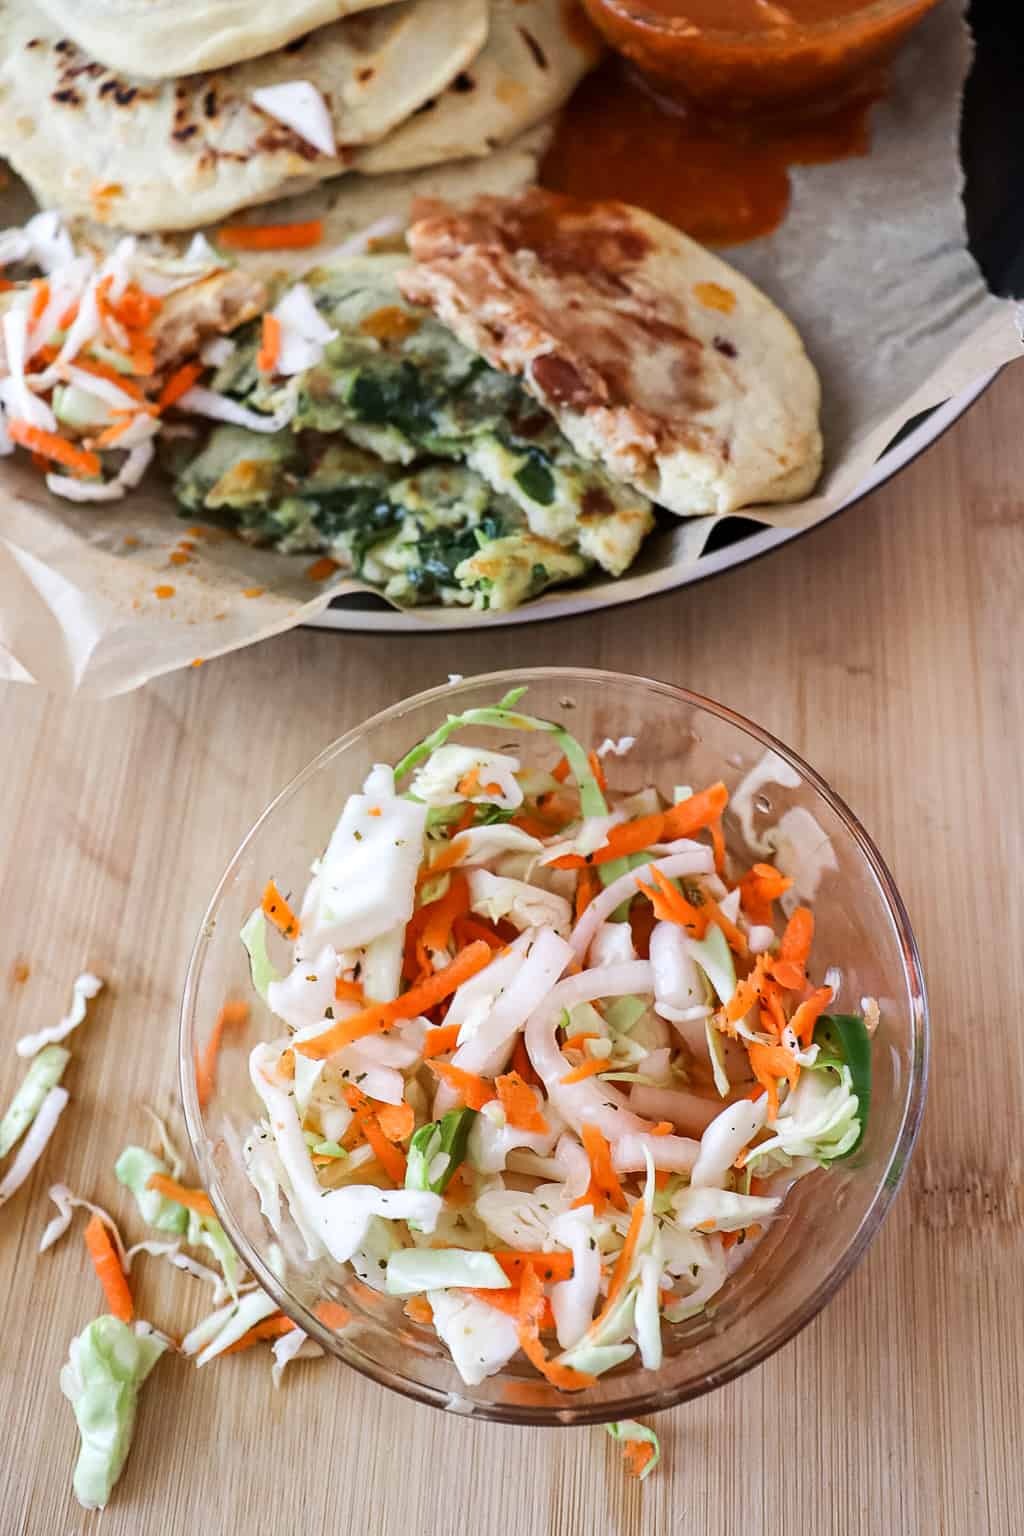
(733, 71)
(861, 926)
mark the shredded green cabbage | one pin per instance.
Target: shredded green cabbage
(106, 1366)
(134, 1168)
(45, 1073)
(411, 1270)
(254, 937)
(714, 957)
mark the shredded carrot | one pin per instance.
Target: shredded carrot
(397, 1121)
(604, 1181)
(577, 1042)
(522, 1064)
(40, 299)
(635, 1456)
(272, 1327)
(628, 837)
(280, 913)
(718, 844)
(808, 1014)
(671, 906)
(661, 1178)
(587, 886)
(348, 991)
(589, 1068)
(789, 969)
(271, 237)
(390, 1157)
(531, 1313)
(663, 1128)
(380, 1017)
(509, 1302)
(418, 1310)
(270, 344)
(110, 435)
(533, 826)
(108, 1269)
(620, 1273)
(760, 887)
(455, 903)
(231, 1016)
(597, 769)
(693, 815)
(467, 930)
(561, 770)
(437, 1042)
(322, 569)
(446, 859)
(519, 1102)
(713, 913)
(469, 784)
(768, 1063)
(179, 383)
(549, 1266)
(52, 446)
(136, 309)
(195, 1199)
(474, 1091)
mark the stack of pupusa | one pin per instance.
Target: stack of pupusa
(147, 115)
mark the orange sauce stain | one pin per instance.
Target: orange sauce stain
(163, 591)
(720, 182)
(20, 972)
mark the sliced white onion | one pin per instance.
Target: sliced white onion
(66, 1202)
(359, 243)
(695, 861)
(205, 402)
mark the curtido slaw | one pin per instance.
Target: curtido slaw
(550, 1060)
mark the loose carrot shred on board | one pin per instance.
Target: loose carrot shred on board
(52, 446)
(549, 1266)
(271, 237)
(272, 1327)
(635, 1456)
(437, 1042)
(604, 1181)
(270, 344)
(808, 1014)
(768, 1063)
(474, 1091)
(232, 1015)
(531, 1313)
(418, 1310)
(519, 1102)
(397, 1121)
(280, 913)
(589, 1068)
(322, 569)
(195, 1199)
(179, 383)
(108, 1269)
(437, 930)
(509, 1302)
(381, 1016)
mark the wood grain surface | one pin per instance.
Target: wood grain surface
(887, 648)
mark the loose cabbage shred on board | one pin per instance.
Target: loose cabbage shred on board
(107, 1364)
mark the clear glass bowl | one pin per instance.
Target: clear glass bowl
(824, 1227)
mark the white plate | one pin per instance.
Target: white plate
(368, 615)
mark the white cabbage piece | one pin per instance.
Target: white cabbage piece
(482, 845)
(819, 1119)
(573, 1300)
(437, 781)
(107, 1364)
(721, 1210)
(413, 1270)
(725, 1138)
(525, 905)
(366, 881)
(305, 994)
(694, 860)
(338, 1217)
(480, 1339)
(491, 1043)
(613, 945)
(585, 838)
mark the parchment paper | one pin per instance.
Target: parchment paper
(871, 264)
